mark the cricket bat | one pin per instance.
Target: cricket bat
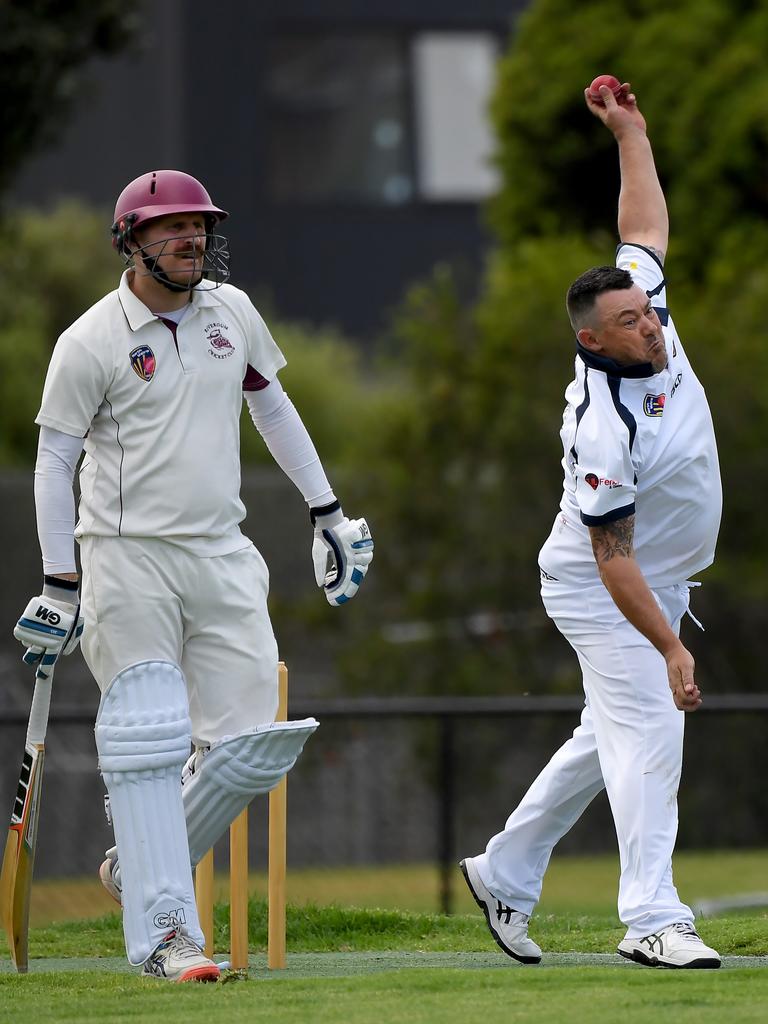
(19, 857)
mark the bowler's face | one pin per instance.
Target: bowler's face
(628, 330)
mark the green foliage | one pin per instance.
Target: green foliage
(698, 70)
(43, 47)
(340, 398)
(468, 480)
(328, 929)
(724, 322)
(53, 266)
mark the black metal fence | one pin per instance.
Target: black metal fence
(419, 779)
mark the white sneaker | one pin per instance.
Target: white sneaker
(508, 927)
(677, 945)
(177, 958)
(109, 873)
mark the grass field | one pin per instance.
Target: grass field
(577, 884)
(356, 956)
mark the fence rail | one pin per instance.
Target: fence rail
(426, 707)
(444, 711)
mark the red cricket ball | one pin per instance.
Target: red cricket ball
(613, 84)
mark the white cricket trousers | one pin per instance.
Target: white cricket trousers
(150, 600)
(630, 741)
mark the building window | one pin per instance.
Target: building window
(337, 125)
(453, 79)
(380, 117)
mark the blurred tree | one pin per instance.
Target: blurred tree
(52, 268)
(55, 264)
(699, 71)
(468, 479)
(337, 395)
(43, 47)
(464, 481)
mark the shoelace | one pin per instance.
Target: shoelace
(180, 944)
(686, 928)
(184, 946)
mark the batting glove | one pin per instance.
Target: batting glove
(51, 623)
(341, 552)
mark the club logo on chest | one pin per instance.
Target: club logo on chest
(653, 405)
(219, 346)
(143, 362)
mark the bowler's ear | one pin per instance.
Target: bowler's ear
(589, 340)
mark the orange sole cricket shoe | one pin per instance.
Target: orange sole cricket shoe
(178, 958)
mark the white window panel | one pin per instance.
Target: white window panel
(453, 79)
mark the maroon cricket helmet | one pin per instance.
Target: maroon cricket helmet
(156, 194)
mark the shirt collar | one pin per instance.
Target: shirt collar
(611, 367)
(138, 315)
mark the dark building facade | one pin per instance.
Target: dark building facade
(348, 139)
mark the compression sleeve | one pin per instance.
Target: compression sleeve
(57, 458)
(275, 417)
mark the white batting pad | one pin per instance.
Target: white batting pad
(143, 735)
(219, 782)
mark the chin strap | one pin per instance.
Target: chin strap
(162, 277)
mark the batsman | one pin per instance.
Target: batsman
(150, 383)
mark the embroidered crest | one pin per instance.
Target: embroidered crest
(653, 405)
(143, 362)
(220, 346)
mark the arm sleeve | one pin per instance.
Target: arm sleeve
(286, 437)
(646, 270)
(57, 458)
(605, 475)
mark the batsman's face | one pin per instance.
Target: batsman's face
(626, 329)
(177, 244)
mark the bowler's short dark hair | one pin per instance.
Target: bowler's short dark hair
(584, 291)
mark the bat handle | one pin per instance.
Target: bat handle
(41, 701)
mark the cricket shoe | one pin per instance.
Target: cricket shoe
(178, 958)
(677, 945)
(508, 927)
(109, 873)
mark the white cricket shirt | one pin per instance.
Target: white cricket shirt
(640, 442)
(159, 407)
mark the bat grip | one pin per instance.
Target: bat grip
(41, 702)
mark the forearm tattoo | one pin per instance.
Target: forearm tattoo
(613, 539)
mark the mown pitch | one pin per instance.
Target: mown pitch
(340, 965)
(370, 964)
